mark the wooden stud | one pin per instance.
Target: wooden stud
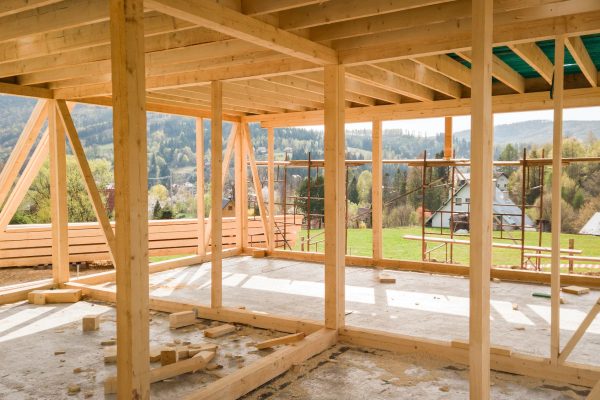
(239, 193)
(575, 290)
(58, 196)
(578, 334)
(131, 197)
(200, 186)
(480, 257)
(218, 331)
(271, 186)
(216, 193)
(557, 140)
(242, 169)
(335, 201)
(267, 344)
(90, 323)
(58, 295)
(377, 191)
(448, 138)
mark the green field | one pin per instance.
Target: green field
(396, 247)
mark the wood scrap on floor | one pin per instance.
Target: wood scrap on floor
(386, 278)
(181, 319)
(168, 356)
(280, 340)
(218, 331)
(110, 354)
(578, 290)
(54, 296)
(90, 323)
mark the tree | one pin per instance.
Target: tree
(157, 210)
(317, 193)
(353, 191)
(364, 187)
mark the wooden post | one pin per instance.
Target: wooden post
(448, 138)
(571, 262)
(241, 158)
(131, 197)
(377, 194)
(239, 194)
(216, 193)
(559, 59)
(58, 196)
(271, 186)
(481, 200)
(200, 185)
(335, 230)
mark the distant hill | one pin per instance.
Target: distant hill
(538, 132)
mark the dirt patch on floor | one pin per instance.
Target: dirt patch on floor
(15, 275)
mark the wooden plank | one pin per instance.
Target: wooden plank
(377, 190)
(480, 253)
(88, 177)
(219, 331)
(271, 186)
(335, 229)
(181, 319)
(57, 295)
(535, 57)
(557, 140)
(448, 138)
(293, 338)
(578, 334)
(239, 193)
(200, 186)
(575, 289)
(501, 71)
(246, 379)
(235, 24)
(12, 295)
(131, 200)
(26, 91)
(58, 196)
(582, 57)
(216, 193)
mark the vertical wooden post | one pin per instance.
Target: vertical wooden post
(571, 262)
(377, 194)
(448, 138)
(216, 193)
(559, 59)
(200, 185)
(481, 200)
(239, 194)
(131, 197)
(243, 165)
(335, 230)
(58, 196)
(271, 186)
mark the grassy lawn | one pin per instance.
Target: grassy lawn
(395, 246)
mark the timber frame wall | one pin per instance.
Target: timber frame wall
(288, 63)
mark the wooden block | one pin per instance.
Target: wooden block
(181, 319)
(501, 350)
(56, 296)
(182, 353)
(259, 253)
(195, 349)
(90, 323)
(575, 290)
(168, 371)
(280, 340)
(218, 331)
(386, 278)
(168, 356)
(36, 297)
(155, 353)
(110, 354)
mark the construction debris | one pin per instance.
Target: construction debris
(54, 296)
(279, 341)
(90, 323)
(181, 319)
(73, 389)
(218, 331)
(386, 278)
(259, 253)
(110, 354)
(578, 290)
(168, 356)
(110, 342)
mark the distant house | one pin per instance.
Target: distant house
(228, 207)
(592, 227)
(507, 215)
(501, 181)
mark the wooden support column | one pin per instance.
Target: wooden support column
(559, 59)
(377, 203)
(271, 186)
(131, 197)
(58, 196)
(481, 200)
(216, 193)
(238, 193)
(241, 158)
(448, 138)
(335, 202)
(200, 186)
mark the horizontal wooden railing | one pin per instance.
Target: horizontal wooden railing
(29, 245)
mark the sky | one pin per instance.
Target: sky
(432, 126)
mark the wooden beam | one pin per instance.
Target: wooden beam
(200, 186)
(448, 67)
(535, 57)
(595, 393)
(557, 140)
(242, 381)
(21, 149)
(335, 201)
(238, 191)
(389, 81)
(131, 197)
(58, 196)
(26, 91)
(88, 177)
(216, 193)
(9, 7)
(480, 253)
(259, 7)
(377, 190)
(578, 334)
(225, 20)
(448, 138)
(271, 186)
(502, 72)
(582, 57)
(242, 169)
